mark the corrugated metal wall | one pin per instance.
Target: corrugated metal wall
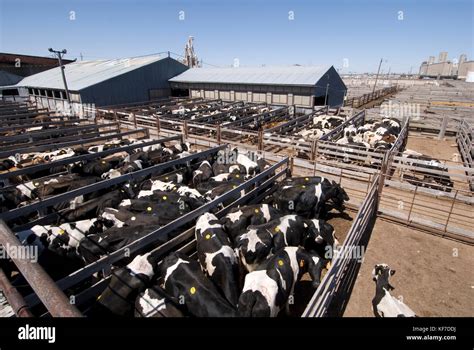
(133, 86)
(336, 89)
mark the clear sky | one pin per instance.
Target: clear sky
(256, 32)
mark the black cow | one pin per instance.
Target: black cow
(217, 257)
(184, 280)
(267, 289)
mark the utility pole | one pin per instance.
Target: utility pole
(60, 56)
(326, 97)
(377, 76)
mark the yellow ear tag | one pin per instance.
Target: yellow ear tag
(37, 184)
(280, 262)
(149, 209)
(257, 211)
(306, 178)
(237, 176)
(165, 198)
(234, 186)
(61, 232)
(277, 229)
(166, 178)
(103, 162)
(192, 290)
(301, 263)
(133, 218)
(208, 236)
(303, 186)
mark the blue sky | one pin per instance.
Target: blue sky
(254, 31)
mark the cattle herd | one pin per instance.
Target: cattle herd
(246, 263)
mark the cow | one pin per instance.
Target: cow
(217, 257)
(310, 200)
(126, 283)
(202, 173)
(152, 303)
(383, 303)
(166, 206)
(98, 245)
(267, 289)
(258, 242)
(222, 188)
(238, 219)
(182, 278)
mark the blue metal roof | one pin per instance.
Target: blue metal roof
(292, 75)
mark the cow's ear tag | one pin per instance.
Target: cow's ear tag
(192, 290)
(256, 211)
(280, 262)
(234, 186)
(103, 162)
(133, 218)
(149, 209)
(165, 198)
(237, 175)
(277, 229)
(303, 186)
(306, 178)
(208, 236)
(61, 232)
(166, 178)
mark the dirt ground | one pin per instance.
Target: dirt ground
(434, 275)
(441, 149)
(445, 150)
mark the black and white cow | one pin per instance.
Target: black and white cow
(384, 304)
(267, 289)
(202, 173)
(217, 257)
(152, 303)
(238, 219)
(309, 200)
(258, 242)
(166, 206)
(184, 280)
(99, 245)
(125, 285)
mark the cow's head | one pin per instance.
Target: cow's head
(338, 196)
(381, 274)
(322, 232)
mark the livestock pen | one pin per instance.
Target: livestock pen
(256, 188)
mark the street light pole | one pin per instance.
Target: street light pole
(60, 56)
